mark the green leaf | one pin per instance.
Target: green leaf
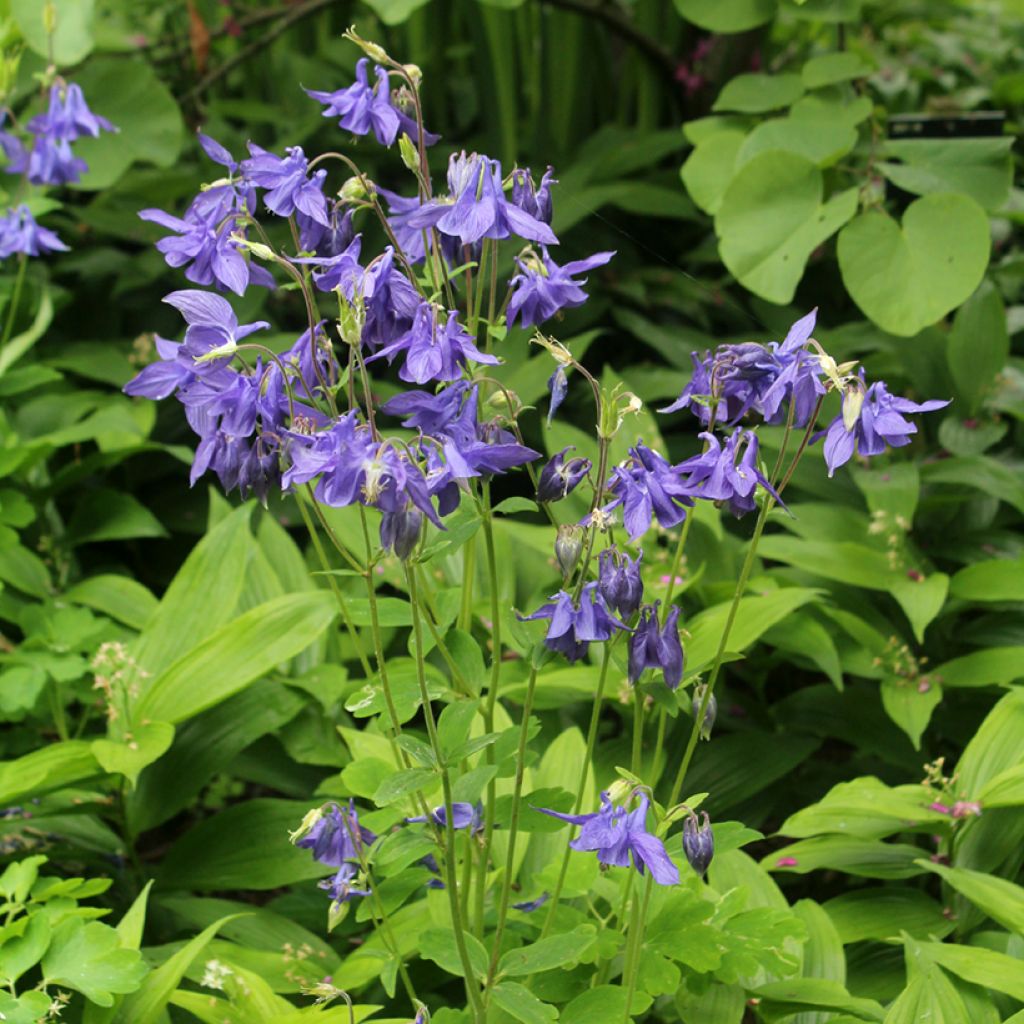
(821, 138)
(21, 343)
(864, 857)
(823, 955)
(522, 1004)
(757, 93)
(28, 1008)
(910, 703)
(979, 346)
(72, 39)
(438, 944)
(780, 998)
(394, 12)
(106, 514)
(402, 784)
(243, 847)
(151, 130)
(709, 168)
(997, 744)
(978, 472)
(995, 666)
(985, 967)
(510, 506)
(772, 218)
(883, 912)
(141, 747)
(147, 1005)
(727, 16)
(1006, 789)
(24, 570)
(120, 597)
(921, 599)
(237, 654)
(979, 168)
(830, 68)
(547, 954)
(1002, 900)
(930, 997)
(89, 958)
(24, 951)
(1001, 579)
(50, 767)
(603, 1004)
(907, 277)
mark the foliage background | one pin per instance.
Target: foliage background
(888, 610)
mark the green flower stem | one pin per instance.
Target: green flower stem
(517, 791)
(468, 574)
(741, 586)
(451, 878)
(339, 597)
(585, 769)
(635, 941)
(12, 311)
(636, 761)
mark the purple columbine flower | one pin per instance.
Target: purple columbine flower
(558, 386)
(723, 474)
(340, 887)
(648, 485)
(68, 116)
(212, 323)
(329, 239)
(51, 162)
(542, 287)
(433, 350)
(531, 198)
(572, 627)
(402, 212)
(870, 420)
(361, 107)
(698, 843)
(476, 207)
(651, 647)
(560, 478)
(400, 531)
(337, 836)
(619, 581)
(616, 835)
(530, 905)
(464, 815)
(288, 189)
(21, 233)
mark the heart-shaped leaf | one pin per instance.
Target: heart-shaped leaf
(772, 218)
(756, 93)
(90, 959)
(708, 169)
(727, 15)
(905, 278)
(141, 747)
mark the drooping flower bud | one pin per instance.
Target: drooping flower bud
(619, 581)
(853, 402)
(568, 547)
(559, 478)
(401, 530)
(407, 151)
(698, 843)
(710, 712)
(650, 647)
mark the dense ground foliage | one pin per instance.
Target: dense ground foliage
(635, 537)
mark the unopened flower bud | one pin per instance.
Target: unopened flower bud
(710, 712)
(620, 789)
(351, 319)
(407, 151)
(619, 582)
(414, 73)
(50, 18)
(698, 843)
(372, 50)
(568, 547)
(306, 825)
(400, 531)
(853, 402)
(354, 189)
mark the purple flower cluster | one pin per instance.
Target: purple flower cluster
(337, 840)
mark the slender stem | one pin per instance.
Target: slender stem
(451, 877)
(585, 768)
(12, 312)
(510, 853)
(741, 586)
(636, 941)
(468, 574)
(677, 559)
(635, 763)
(333, 584)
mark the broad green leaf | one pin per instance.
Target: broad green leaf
(823, 955)
(128, 756)
(521, 1003)
(867, 858)
(1002, 900)
(979, 346)
(401, 784)
(986, 967)
(50, 767)
(547, 954)
(243, 847)
(120, 597)
(892, 491)
(147, 1005)
(202, 596)
(772, 217)
(394, 12)
(1001, 579)
(22, 952)
(830, 68)
(981, 473)
(842, 561)
(737, 869)
(106, 514)
(979, 168)
(997, 744)
(19, 876)
(995, 666)
(755, 615)
(89, 958)
(804, 635)
(237, 654)
(756, 93)
(438, 944)
(603, 1004)
(72, 39)
(28, 1008)
(910, 703)
(723, 1004)
(17, 346)
(151, 129)
(727, 16)
(130, 927)
(822, 139)
(24, 570)
(930, 998)
(906, 277)
(709, 168)
(781, 998)
(1006, 789)
(883, 912)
